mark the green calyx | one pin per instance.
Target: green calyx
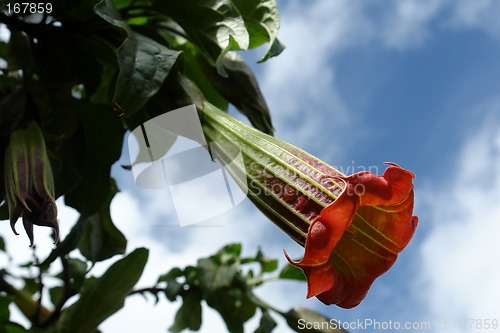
(29, 182)
(287, 184)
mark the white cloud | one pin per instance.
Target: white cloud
(406, 23)
(4, 33)
(4, 36)
(478, 14)
(461, 252)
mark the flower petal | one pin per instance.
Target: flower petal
(357, 237)
(327, 229)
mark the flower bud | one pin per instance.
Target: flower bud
(29, 182)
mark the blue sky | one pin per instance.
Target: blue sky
(414, 82)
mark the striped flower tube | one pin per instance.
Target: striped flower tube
(351, 226)
(29, 182)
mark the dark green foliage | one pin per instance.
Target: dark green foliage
(225, 281)
(105, 296)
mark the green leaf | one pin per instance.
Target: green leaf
(13, 108)
(77, 12)
(69, 165)
(192, 275)
(305, 320)
(234, 305)
(19, 52)
(101, 239)
(214, 276)
(105, 296)
(87, 58)
(241, 89)
(104, 92)
(268, 265)
(69, 243)
(220, 270)
(189, 314)
(3, 49)
(77, 270)
(194, 63)
(7, 84)
(4, 209)
(192, 91)
(173, 274)
(230, 251)
(103, 135)
(2, 244)
(95, 235)
(56, 294)
(215, 26)
(223, 287)
(121, 4)
(4, 309)
(290, 272)
(173, 286)
(13, 328)
(173, 289)
(262, 20)
(144, 63)
(267, 323)
(275, 49)
(31, 285)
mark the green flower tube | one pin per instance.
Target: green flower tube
(29, 182)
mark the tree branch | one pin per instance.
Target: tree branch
(152, 290)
